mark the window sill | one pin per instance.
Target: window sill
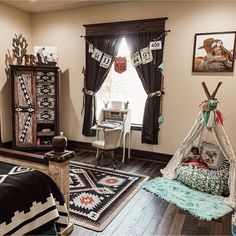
(136, 127)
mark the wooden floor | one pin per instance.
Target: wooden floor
(146, 214)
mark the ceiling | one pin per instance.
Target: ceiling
(39, 6)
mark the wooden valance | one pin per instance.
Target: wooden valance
(126, 27)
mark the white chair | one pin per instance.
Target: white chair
(110, 143)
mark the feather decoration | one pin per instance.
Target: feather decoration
(211, 119)
(206, 117)
(219, 117)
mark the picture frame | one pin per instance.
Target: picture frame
(214, 52)
(212, 155)
(46, 55)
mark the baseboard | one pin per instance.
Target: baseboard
(7, 144)
(77, 145)
(134, 153)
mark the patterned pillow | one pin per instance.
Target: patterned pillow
(212, 155)
(205, 180)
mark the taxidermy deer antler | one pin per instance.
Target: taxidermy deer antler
(19, 48)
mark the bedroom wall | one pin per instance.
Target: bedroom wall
(12, 21)
(183, 89)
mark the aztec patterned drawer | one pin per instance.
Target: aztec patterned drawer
(45, 77)
(46, 102)
(45, 115)
(45, 89)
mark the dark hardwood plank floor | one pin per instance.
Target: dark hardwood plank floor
(146, 214)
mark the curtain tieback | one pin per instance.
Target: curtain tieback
(157, 93)
(88, 92)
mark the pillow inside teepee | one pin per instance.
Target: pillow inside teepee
(212, 155)
(206, 180)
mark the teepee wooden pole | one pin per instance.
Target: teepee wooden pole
(214, 93)
(206, 90)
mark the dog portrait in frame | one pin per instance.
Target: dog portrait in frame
(214, 52)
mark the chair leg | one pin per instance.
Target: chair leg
(113, 157)
(99, 155)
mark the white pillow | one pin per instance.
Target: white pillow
(212, 155)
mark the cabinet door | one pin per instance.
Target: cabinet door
(24, 109)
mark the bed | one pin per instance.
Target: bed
(30, 202)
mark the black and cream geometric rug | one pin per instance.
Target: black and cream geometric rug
(98, 195)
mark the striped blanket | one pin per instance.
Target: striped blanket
(29, 201)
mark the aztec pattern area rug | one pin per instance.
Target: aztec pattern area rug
(98, 195)
(202, 205)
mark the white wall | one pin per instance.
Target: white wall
(12, 21)
(183, 89)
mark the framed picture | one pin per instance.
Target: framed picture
(214, 52)
(212, 155)
(46, 55)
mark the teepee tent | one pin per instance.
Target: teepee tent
(208, 127)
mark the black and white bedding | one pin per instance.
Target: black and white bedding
(29, 200)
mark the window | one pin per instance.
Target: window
(106, 37)
(123, 87)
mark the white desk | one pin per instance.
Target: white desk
(124, 117)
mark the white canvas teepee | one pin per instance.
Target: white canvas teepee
(207, 127)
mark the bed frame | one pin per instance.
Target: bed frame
(56, 165)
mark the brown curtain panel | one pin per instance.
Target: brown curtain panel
(95, 75)
(151, 78)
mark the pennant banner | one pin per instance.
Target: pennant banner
(97, 54)
(106, 61)
(155, 45)
(143, 56)
(161, 66)
(136, 59)
(90, 48)
(120, 64)
(146, 55)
